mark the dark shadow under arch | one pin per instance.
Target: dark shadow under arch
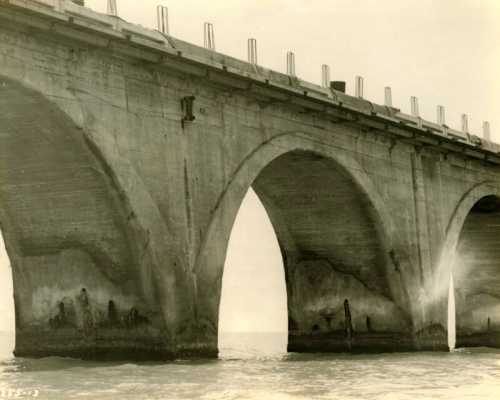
(333, 250)
(476, 273)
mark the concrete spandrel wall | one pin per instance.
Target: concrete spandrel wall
(178, 189)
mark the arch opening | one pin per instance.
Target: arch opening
(339, 268)
(7, 311)
(253, 311)
(476, 276)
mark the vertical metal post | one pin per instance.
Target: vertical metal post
(209, 36)
(325, 76)
(252, 51)
(465, 123)
(359, 87)
(486, 131)
(348, 324)
(112, 8)
(414, 106)
(388, 96)
(441, 118)
(290, 63)
(162, 19)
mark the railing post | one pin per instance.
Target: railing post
(359, 87)
(209, 36)
(486, 131)
(112, 8)
(388, 96)
(325, 76)
(414, 106)
(441, 118)
(415, 112)
(465, 123)
(162, 19)
(290, 64)
(252, 51)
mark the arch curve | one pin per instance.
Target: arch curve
(257, 170)
(453, 229)
(470, 255)
(68, 225)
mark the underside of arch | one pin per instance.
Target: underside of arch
(71, 239)
(476, 273)
(333, 250)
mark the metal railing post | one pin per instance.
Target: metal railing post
(162, 19)
(290, 63)
(325, 76)
(209, 36)
(112, 8)
(359, 87)
(252, 51)
(388, 96)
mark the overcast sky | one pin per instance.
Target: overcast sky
(442, 51)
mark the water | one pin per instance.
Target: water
(249, 374)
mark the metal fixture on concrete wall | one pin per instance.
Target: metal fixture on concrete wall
(388, 96)
(338, 86)
(359, 87)
(465, 123)
(112, 8)
(162, 19)
(209, 36)
(414, 106)
(441, 120)
(187, 104)
(290, 63)
(325, 76)
(252, 51)
(486, 131)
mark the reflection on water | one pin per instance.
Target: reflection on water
(470, 374)
(452, 325)
(237, 345)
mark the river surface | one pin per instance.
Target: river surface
(250, 371)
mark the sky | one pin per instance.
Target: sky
(445, 52)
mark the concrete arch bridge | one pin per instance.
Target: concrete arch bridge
(125, 155)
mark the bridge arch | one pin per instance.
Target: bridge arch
(471, 254)
(288, 173)
(78, 250)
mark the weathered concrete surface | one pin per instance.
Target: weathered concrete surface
(331, 251)
(68, 228)
(104, 188)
